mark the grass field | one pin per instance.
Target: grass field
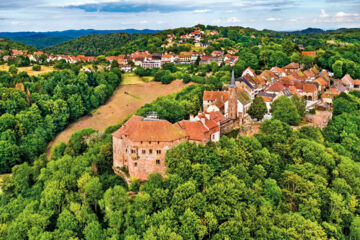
(125, 101)
(44, 69)
(132, 78)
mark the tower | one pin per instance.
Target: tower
(233, 99)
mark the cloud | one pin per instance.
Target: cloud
(323, 14)
(339, 17)
(144, 22)
(233, 20)
(201, 10)
(272, 19)
(273, 5)
(125, 7)
(343, 14)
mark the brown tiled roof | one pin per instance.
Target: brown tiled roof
(217, 117)
(215, 95)
(195, 130)
(309, 88)
(138, 129)
(356, 82)
(299, 84)
(322, 81)
(276, 87)
(292, 66)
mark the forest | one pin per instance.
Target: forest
(280, 184)
(34, 109)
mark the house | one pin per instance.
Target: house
(309, 53)
(328, 96)
(215, 32)
(276, 88)
(356, 84)
(348, 82)
(201, 129)
(141, 143)
(217, 54)
(310, 91)
(151, 64)
(244, 102)
(278, 71)
(206, 60)
(292, 67)
(216, 98)
(167, 58)
(322, 83)
(248, 71)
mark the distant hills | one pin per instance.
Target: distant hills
(310, 30)
(42, 40)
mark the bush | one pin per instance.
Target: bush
(312, 111)
(36, 67)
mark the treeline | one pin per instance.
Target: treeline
(280, 184)
(34, 109)
(6, 46)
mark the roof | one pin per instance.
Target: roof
(309, 53)
(195, 130)
(244, 97)
(217, 117)
(348, 78)
(264, 94)
(292, 66)
(276, 87)
(322, 81)
(356, 82)
(139, 129)
(242, 79)
(309, 88)
(286, 92)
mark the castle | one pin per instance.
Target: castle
(140, 145)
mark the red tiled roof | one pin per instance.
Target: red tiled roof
(309, 88)
(322, 81)
(217, 117)
(138, 129)
(195, 130)
(309, 53)
(276, 87)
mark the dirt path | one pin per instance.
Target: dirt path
(118, 107)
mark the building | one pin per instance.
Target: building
(141, 143)
(292, 67)
(310, 91)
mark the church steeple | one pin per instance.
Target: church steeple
(232, 106)
(232, 83)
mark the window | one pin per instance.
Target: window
(158, 142)
(133, 151)
(143, 151)
(135, 164)
(149, 142)
(158, 152)
(157, 162)
(126, 150)
(150, 151)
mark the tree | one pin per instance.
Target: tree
(300, 104)
(13, 70)
(284, 109)
(257, 108)
(337, 68)
(36, 67)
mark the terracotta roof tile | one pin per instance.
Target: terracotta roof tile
(138, 129)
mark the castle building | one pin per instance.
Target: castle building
(141, 143)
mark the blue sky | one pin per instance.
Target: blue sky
(53, 15)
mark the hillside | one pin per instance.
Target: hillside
(6, 44)
(46, 39)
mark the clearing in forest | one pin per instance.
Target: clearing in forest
(124, 102)
(29, 71)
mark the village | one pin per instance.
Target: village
(140, 145)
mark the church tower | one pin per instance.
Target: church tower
(232, 107)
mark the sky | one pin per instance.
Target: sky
(57, 15)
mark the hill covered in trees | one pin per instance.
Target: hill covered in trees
(7, 45)
(280, 184)
(46, 39)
